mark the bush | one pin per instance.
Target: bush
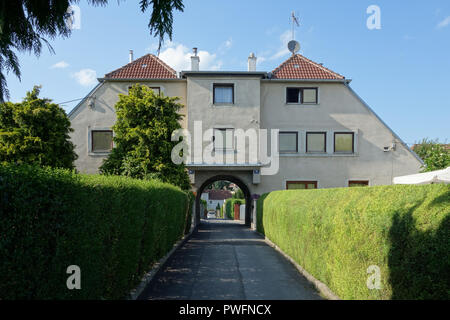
(113, 228)
(229, 207)
(336, 234)
(36, 132)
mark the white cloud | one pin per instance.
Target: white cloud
(60, 65)
(85, 77)
(178, 56)
(444, 23)
(283, 50)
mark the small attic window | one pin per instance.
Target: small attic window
(144, 66)
(296, 66)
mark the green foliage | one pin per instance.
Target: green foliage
(229, 207)
(336, 234)
(434, 155)
(35, 131)
(113, 228)
(218, 207)
(24, 25)
(239, 194)
(143, 146)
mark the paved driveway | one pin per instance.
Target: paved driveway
(224, 260)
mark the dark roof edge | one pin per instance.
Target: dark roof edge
(308, 80)
(261, 74)
(141, 79)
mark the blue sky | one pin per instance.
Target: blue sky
(401, 70)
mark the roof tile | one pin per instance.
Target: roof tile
(299, 67)
(146, 67)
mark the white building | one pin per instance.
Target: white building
(328, 136)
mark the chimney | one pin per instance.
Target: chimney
(252, 62)
(131, 56)
(195, 61)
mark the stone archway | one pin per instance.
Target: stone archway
(245, 189)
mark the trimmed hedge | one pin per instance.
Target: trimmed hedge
(336, 234)
(229, 207)
(113, 228)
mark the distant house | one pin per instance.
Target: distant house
(216, 197)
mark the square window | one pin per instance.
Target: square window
(223, 139)
(296, 185)
(288, 142)
(223, 93)
(344, 142)
(316, 141)
(102, 140)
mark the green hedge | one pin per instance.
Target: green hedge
(113, 228)
(336, 234)
(229, 207)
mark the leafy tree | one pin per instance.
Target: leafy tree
(433, 153)
(35, 131)
(24, 24)
(239, 194)
(143, 146)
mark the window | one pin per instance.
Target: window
(360, 183)
(223, 93)
(156, 90)
(344, 142)
(288, 142)
(316, 141)
(102, 140)
(301, 95)
(296, 185)
(223, 139)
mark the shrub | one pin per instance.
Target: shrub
(35, 131)
(336, 234)
(142, 138)
(229, 207)
(113, 228)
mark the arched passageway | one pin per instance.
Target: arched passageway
(239, 183)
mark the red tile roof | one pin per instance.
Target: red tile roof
(219, 194)
(299, 67)
(146, 67)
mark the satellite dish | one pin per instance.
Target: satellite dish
(293, 46)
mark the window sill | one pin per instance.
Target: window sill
(223, 105)
(99, 154)
(318, 155)
(301, 104)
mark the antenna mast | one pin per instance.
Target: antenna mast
(294, 23)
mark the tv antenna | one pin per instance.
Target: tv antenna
(295, 22)
(294, 46)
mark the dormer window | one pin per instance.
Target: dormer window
(301, 95)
